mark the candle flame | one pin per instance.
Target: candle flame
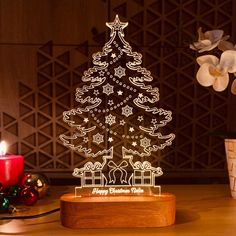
(3, 148)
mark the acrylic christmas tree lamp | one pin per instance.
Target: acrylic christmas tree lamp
(116, 127)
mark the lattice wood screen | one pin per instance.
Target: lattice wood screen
(161, 31)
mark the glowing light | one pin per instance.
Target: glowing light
(3, 148)
(109, 118)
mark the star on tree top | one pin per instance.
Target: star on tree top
(116, 25)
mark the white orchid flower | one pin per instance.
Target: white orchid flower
(211, 73)
(215, 72)
(208, 40)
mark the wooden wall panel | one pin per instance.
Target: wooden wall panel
(45, 45)
(62, 21)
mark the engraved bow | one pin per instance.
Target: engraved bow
(115, 167)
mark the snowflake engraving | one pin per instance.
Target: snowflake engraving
(145, 142)
(108, 89)
(110, 119)
(127, 111)
(98, 138)
(119, 72)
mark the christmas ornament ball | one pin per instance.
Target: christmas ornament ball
(13, 193)
(4, 204)
(36, 181)
(29, 196)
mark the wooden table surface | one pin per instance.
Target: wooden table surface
(201, 210)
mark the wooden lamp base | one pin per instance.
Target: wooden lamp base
(117, 211)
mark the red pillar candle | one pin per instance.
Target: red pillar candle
(11, 167)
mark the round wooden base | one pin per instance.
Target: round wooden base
(117, 211)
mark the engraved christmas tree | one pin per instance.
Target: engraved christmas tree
(117, 124)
